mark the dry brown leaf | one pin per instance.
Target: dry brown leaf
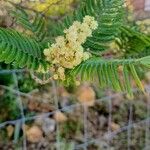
(86, 95)
(60, 117)
(41, 107)
(34, 134)
(114, 126)
(33, 105)
(10, 130)
(44, 107)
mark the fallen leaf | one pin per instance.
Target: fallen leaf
(34, 134)
(86, 95)
(40, 106)
(44, 107)
(33, 105)
(114, 126)
(10, 130)
(60, 117)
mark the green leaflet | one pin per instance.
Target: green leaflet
(135, 43)
(108, 13)
(37, 26)
(108, 72)
(20, 50)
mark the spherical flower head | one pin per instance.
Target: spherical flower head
(91, 22)
(61, 73)
(77, 24)
(60, 40)
(72, 36)
(77, 61)
(41, 70)
(77, 83)
(67, 64)
(86, 56)
(71, 33)
(74, 46)
(94, 25)
(80, 49)
(47, 52)
(86, 30)
(61, 70)
(82, 38)
(79, 53)
(55, 76)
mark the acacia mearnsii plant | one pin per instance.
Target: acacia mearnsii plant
(94, 42)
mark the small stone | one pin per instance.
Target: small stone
(102, 121)
(48, 125)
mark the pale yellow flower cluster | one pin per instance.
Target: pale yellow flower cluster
(68, 52)
(144, 26)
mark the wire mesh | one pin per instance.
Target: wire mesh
(107, 140)
(111, 137)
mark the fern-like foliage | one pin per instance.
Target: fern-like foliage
(145, 52)
(108, 13)
(36, 25)
(24, 51)
(114, 73)
(134, 42)
(20, 50)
